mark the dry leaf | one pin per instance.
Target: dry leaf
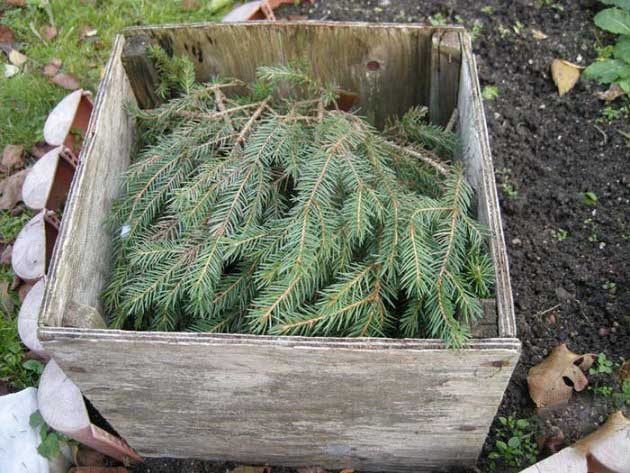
(7, 304)
(24, 290)
(11, 189)
(565, 74)
(16, 3)
(51, 69)
(553, 381)
(251, 469)
(88, 32)
(49, 32)
(66, 81)
(10, 70)
(12, 157)
(6, 34)
(5, 258)
(17, 58)
(624, 371)
(312, 469)
(40, 148)
(85, 456)
(188, 5)
(538, 35)
(347, 470)
(613, 92)
(606, 450)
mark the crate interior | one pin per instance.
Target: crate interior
(390, 68)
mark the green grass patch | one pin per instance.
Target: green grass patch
(27, 98)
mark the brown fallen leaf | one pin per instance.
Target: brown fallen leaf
(23, 290)
(624, 371)
(7, 304)
(297, 18)
(40, 148)
(11, 189)
(17, 58)
(6, 35)
(16, 3)
(606, 450)
(66, 81)
(188, 5)
(553, 380)
(49, 32)
(613, 93)
(5, 258)
(12, 158)
(51, 69)
(565, 75)
(87, 32)
(538, 35)
(85, 456)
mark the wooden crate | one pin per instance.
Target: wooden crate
(370, 404)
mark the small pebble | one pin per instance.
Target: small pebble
(517, 242)
(604, 332)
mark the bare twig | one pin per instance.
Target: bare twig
(424, 156)
(246, 129)
(603, 133)
(546, 311)
(450, 126)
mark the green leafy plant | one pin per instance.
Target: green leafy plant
(616, 70)
(602, 365)
(490, 92)
(623, 398)
(276, 212)
(51, 441)
(515, 443)
(590, 198)
(559, 235)
(605, 391)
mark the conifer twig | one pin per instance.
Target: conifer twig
(422, 156)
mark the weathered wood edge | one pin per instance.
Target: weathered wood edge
(48, 317)
(50, 335)
(132, 30)
(505, 302)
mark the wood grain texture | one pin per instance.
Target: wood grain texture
(140, 71)
(372, 404)
(446, 60)
(365, 403)
(479, 170)
(81, 260)
(387, 65)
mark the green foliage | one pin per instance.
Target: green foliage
(27, 98)
(590, 198)
(515, 443)
(559, 235)
(13, 368)
(602, 365)
(490, 92)
(273, 214)
(623, 398)
(50, 445)
(11, 225)
(615, 20)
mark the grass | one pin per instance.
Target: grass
(26, 98)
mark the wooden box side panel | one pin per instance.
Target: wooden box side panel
(365, 404)
(479, 170)
(387, 65)
(81, 260)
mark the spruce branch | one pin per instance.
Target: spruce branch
(272, 211)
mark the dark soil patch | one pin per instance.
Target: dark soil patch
(548, 150)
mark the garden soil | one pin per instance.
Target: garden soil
(570, 262)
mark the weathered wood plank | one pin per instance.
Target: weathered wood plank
(385, 64)
(81, 261)
(479, 170)
(446, 60)
(140, 71)
(367, 404)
